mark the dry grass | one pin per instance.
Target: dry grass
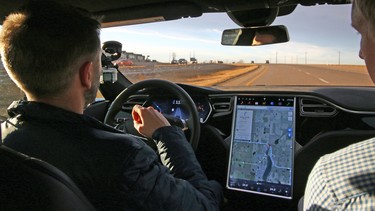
(349, 68)
(219, 77)
(201, 75)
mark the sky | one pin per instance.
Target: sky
(318, 35)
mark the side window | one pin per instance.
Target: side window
(9, 92)
(99, 96)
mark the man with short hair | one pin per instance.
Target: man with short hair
(345, 179)
(52, 52)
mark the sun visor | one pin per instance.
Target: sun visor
(149, 14)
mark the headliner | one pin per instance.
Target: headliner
(126, 12)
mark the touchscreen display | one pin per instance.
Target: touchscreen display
(262, 145)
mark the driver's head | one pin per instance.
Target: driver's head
(44, 44)
(363, 20)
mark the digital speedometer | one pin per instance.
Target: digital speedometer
(175, 107)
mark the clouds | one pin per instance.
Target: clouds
(324, 32)
(321, 34)
(306, 51)
(294, 52)
(163, 36)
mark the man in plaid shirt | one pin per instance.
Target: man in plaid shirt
(345, 180)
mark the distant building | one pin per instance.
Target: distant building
(133, 56)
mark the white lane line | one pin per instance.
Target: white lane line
(324, 81)
(262, 71)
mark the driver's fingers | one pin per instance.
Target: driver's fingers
(147, 120)
(136, 114)
(157, 116)
(149, 115)
(138, 119)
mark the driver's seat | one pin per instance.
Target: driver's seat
(28, 183)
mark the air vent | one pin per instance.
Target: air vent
(221, 103)
(134, 100)
(315, 107)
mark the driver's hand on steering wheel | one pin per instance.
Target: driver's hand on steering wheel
(148, 120)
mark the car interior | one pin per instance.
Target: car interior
(29, 183)
(316, 119)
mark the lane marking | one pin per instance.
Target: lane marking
(320, 79)
(263, 70)
(323, 80)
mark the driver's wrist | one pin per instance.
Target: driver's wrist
(158, 133)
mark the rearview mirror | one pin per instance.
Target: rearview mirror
(255, 36)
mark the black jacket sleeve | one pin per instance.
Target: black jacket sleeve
(178, 156)
(182, 186)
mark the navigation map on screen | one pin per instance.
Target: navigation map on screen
(262, 145)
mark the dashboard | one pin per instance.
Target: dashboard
(326, 119)
(175, 107)
(318, 109)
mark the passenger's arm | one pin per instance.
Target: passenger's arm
(318, 195)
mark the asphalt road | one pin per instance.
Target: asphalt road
(283, 74)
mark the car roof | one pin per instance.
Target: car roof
(126, 12)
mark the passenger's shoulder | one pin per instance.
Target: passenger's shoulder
(359, 148)
(354, 157)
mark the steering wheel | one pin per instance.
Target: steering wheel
(192, 123)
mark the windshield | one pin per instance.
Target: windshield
(322, 51)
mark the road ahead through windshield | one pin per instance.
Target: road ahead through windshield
(302, 75)
(254, 74)
(225, 75)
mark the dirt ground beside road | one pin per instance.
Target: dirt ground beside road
(349, 68)
(195, 74)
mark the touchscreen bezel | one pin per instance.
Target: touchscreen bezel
(261, 187)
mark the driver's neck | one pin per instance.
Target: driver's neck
(69, 100)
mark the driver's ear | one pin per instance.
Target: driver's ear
(86, 74)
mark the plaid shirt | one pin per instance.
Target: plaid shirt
(343, 180)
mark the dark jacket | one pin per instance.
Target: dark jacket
(116, 171)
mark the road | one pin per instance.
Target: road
(283, 74)
(266, 74)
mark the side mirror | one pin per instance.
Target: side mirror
(255, 36)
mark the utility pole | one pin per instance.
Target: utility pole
(339, 57)
(305, 57)
(276, 57)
